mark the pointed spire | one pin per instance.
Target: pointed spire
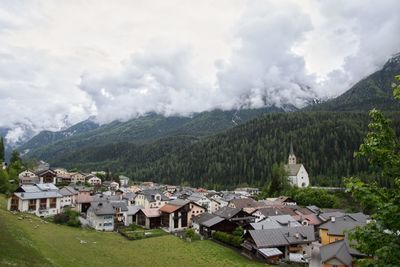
(291, 148)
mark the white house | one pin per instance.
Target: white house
(28, 177)
(150, 198)
(94, 181)
(123, 180)
(69, 196)
(40, 199)
(100, 216)
(297, 173)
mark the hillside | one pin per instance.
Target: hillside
(375, 91)
(324, 142)
(48, 145)
(30, 242)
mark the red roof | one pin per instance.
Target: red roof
(151, 213)
(167, 208)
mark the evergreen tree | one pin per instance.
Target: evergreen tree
(2, 151)
(279, 180)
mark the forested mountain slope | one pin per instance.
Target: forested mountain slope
(324, 142)
(146, 129)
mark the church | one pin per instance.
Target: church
(297, 174)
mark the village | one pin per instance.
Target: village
(272, 230)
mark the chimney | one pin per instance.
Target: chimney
(333, 219)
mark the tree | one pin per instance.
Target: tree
(2, 153)
(279, 180)
(381, 237)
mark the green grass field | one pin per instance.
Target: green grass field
(30, 242)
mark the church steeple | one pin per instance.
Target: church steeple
(292, 157)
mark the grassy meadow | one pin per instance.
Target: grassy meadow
(31, 242)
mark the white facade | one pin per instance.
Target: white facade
(301, 179)
(94, 181)
(100, 222)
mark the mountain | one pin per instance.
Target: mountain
(48, 137)
(323, 141)
(375, 91)
(48, 145)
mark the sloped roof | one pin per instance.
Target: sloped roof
(246, 203)
(293, 169)
(132, 210)
(282, 236)
(266, 225)
(213, 221)
(227, 212)
(359, 217)
(37, 195)
(337, 250)
(199, 219)
(340, 225)
(84, 198)
(151, 213)
(270, 252)
(167, 208)
(102, 208)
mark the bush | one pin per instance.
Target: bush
(68, 217)
(190, 233)
(238, 231)
(229, 239)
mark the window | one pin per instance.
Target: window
(53, 203)
(43, 204)
(32, 204)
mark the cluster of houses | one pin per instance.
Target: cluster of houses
(275, 229)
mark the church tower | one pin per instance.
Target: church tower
(292, 157)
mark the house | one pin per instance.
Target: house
(94, 181)
(297, 173)
(39, 199)
(47, 176)
(149, 218)
(150, 198)
(178, 214)
(83, 200)
(123, 180)
(340, 254)
(277, 221)
(28, 177)
(247, 191)
(77, 177)
(205, 224)
(100, 216)
(69, 197)
(235, 215)
(113, 186)
(245, 203)
(336, 228)
(131, 214)
(294, 243)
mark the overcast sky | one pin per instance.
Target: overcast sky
(63, 61)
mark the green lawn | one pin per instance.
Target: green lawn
(29, 242)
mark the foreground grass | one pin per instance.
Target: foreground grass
(30, 242)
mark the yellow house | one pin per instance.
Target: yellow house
(335, 229)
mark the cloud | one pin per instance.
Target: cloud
(63, 62)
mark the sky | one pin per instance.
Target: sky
(64, 61)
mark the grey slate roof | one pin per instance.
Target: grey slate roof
(68, 191)
(293, 169)
(359, 217)
(132, 210)
(266, 225)
(199, 219)
(227, 212)
(270, 252)
(337, 250)
(37, 191)
(149, 194)
(340, 226)
(282, 236)
(102, 208)
(284, 220)
(213, 221)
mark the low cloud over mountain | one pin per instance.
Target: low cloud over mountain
(61, 63)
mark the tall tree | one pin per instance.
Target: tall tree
(279, 180)
(2, 151)
(381, 237)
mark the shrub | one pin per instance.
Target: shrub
(229, 239)
(190, 233)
